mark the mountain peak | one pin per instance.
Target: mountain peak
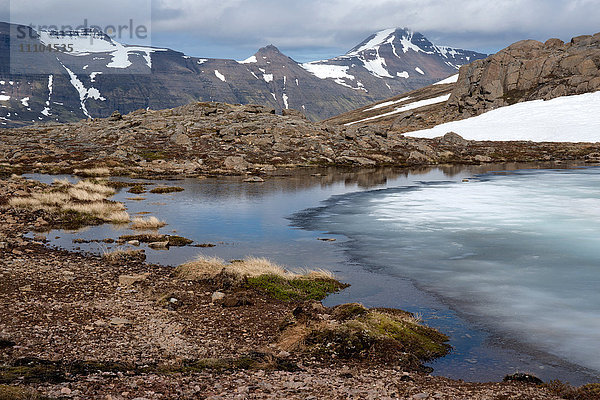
(403, 38)
(269, 49)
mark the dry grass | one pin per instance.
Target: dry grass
(51, 199)
(254, 266)
(27, 202)
(147, 223)
(84, 195)
(204, 267)
(61, 182)
(106, 211)
(93, 187)
(85, 198)
(92, 172)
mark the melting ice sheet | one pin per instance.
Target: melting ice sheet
(519, 253)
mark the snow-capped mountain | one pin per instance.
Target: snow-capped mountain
(95, 75)
(401, 59)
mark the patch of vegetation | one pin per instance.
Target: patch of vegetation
(295, 289)
(152, 155)
(348, 311)
(18, 393)
(590, 391)
(92, 172)
(71, 219)
(36, 371)
(149, 223)
(179, 241)
(174, 240)
(137, 189)
(167, 189)
(353, 332)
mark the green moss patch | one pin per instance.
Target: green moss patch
(137, 189)
(385, 335)
(167, 189)
(153, 155)
(70, 219)
(296, 289)
(174, 240)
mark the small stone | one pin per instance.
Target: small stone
(26, 288)
(217, 296)
(420, 396)
(134, 242)
(159, 245)
(115, 116)
(39, 237)
(65, 390)
(128, 280)
(254, 179)
(120, 321)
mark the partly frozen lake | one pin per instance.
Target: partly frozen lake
(508, 264)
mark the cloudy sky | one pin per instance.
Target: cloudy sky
(313, 29)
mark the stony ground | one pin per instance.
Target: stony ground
(100, 330)
(217, 138)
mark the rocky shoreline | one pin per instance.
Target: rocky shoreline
(91, 327)
(221, 139)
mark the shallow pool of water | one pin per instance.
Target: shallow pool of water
(506, 264)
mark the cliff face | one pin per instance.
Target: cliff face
(528, 70)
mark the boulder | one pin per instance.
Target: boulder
(236, 163)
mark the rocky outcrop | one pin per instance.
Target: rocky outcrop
(528, 70)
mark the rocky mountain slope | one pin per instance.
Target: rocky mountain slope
(98, 75)
(525, 71)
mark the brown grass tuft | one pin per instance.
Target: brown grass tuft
(203, 267)
(92, 172)
(147, 223)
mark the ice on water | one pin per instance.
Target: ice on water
(519, 253)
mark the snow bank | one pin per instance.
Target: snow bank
(387, 103)
(410, 106)
(564, 119)
(450, 79)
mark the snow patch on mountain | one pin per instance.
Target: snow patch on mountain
(220, 76)
(377, 67)
(450, 79)
(84, 93)
(268, 77)
(324, 71)
(339, 73)
(419, 70)
(86, 42)
(407, 107)
(285, 101)
(378, 39)
(93, 76)
(403, 74)
(249, 60)
(25, 101)
(387, 103)
(4, 97)
(46, 110)
(563, 119)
